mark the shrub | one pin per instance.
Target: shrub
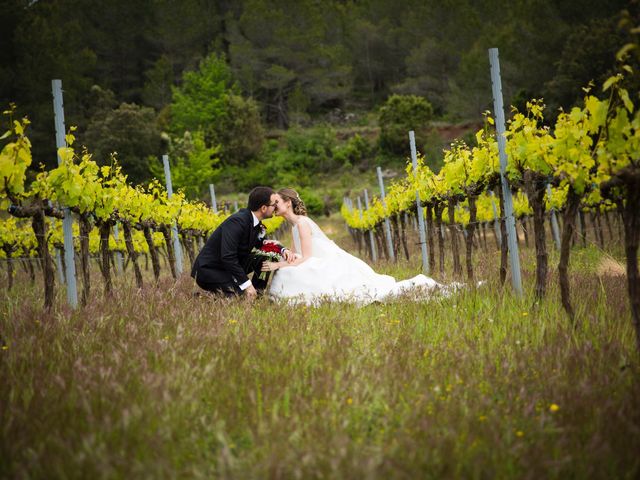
(312, 200)
(208, 100)
(353, 152)
(239, 130)
(397, 116)
(131, 131)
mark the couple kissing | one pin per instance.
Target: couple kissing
(314, 270)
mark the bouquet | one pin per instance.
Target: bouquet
(270, 251)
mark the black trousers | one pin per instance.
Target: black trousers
(252, 264)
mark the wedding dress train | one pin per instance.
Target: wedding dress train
(335, 275)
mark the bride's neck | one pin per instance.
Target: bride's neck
(292, 218)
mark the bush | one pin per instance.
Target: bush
(305, 153)
(131, 131)
(312, 200)
(353, 152)
(193, 165)
(208, 100)
(311, 148)
(239, 130)
(397, 116)
(244, 178)
(200, 101)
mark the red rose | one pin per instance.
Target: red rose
(271, 248)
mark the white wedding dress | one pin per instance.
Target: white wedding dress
(331, 274)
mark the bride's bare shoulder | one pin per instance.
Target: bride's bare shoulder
(304, 223)
(309, 222)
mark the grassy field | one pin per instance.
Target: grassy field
(159, 383)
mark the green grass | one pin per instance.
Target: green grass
(158, 383)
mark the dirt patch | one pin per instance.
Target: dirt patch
(451, 132)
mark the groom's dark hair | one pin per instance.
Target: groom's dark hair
(258, 197)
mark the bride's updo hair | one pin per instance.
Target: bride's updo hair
(297, 204)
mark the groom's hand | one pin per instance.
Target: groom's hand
(289, 256)
(251, 293)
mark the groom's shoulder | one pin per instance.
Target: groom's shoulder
(243, 213)
(241, 216)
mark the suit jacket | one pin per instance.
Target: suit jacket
(222, 258)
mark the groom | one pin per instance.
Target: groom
(225, 260)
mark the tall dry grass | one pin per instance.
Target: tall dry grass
(159, 383)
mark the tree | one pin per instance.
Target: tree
(157, 88)
(48, 44)
(208, 101)
(399, 115)
(194, 165)
(184, 32)
(116, 31)
(199, 103)
(297, 50)
(588, 55)
(130, 130)
(239, 131)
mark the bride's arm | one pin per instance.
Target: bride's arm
(304, 231)
(293, 246)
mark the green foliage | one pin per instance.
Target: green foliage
(239, 130)
(199, 103)
(15, 156)
(353, 152)
(298, 104)
(311, 148)
(433, 148)
(588, 56)
(296, 59)
(290, 49)
(399, 115)
(159, 80)
(131, 131)
(312, 200)
(194, 165)
(207, 101)
(294, 162)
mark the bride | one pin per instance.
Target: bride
(323, 271)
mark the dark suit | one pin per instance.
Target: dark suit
(225, 260)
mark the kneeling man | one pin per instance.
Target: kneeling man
(223, 264)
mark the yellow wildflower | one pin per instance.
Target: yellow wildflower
(349, 401)
(519, 433)
(553, 408)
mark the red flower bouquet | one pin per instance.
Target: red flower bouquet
(271, 251)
